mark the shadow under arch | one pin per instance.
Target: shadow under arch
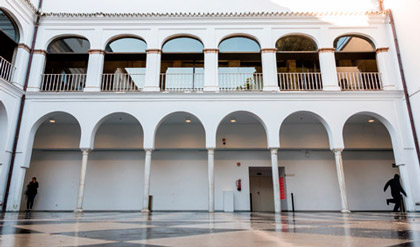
(244, 113)
(103, 119)
(318, 117)
(16, 23)
(58, 37)
(192, 118)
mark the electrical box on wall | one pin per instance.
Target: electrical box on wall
(238, 164)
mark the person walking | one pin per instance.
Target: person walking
(396, 190)
(31, 191)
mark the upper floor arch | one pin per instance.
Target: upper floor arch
(183, 44)
(125, 44)
(182, 35)
(68, 43)
(370, 38)
(297, 42)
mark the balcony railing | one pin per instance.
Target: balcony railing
(63, 82)
(240, 81)
(182, 82)
(122, 82)
(6, 69)
(360, 81)
(306, 81)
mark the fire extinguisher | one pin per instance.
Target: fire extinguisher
(239, 184)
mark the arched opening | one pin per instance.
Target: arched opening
(368, 161)
(66, 65)
(182, 65)
(55, 162)
(9, 40)
(241, 154)
(355, 58)
(305, 153)
(240, 65)
(115, 170)
(124, 65)
(179, 164)
(298, 63)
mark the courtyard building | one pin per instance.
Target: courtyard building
(269, 110)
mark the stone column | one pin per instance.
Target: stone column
(80, 196)
(21, 64)
(276, 182)
(211, 179)
(94, 71)
(385, 68)
(152, 83)
(37, 69)
(328, 69)
(341, 180)
(147, 166)
(269, 67)
(211, 74)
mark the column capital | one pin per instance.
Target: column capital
(96, 51)
(382, 49)
(337, 150)
(24, 46)
(322, 50)
(274, 150)
(40, 52)
(153, 51)
(148, 150)
(268, 50)
(211, 50)
(210, 150)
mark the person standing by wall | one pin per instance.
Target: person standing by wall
(31, 191)
(396, 190)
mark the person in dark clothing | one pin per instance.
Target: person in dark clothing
(396, 191)
(31, 191)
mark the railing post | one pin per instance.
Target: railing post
(328, 69)
(94, 71)
(385, 68)
(211, 60)
(269, 68)
(152, 70)
(37, 69)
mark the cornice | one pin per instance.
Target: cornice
(31, 5)
(209, 14)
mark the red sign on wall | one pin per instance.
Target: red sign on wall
(282, 192)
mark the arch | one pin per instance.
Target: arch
(341, 41)
(83, 49)
(243, 35)
(18, 34)
(193, 44)
(125, 44)
(180, 35)
(3, 125)
(162, 120)
(251, 44)
(99, 123)
(122, 36)
(319, 118)
(304, 43)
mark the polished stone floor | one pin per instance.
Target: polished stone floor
(203, 229)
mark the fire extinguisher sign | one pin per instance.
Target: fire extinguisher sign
(282, 193)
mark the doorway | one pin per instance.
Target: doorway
(261, 189)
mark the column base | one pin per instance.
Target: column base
(389, 87)
(331, 88)
(274, 89)
(146, 211)
(91, 89)
(151, 89)
(78, 211)
(345, 211)
(32, 89)
(211, 89)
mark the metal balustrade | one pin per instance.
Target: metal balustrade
(240, 81)
(63, 82)
(305, 81)
(181, 82)
(122, 82)
(6, 69)
(360, 81)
